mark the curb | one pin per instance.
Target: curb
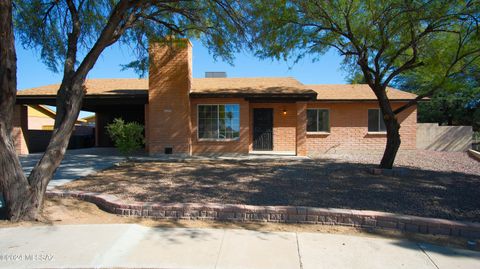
(284, 214)
(474, 154)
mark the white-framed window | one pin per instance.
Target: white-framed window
(375, 121)
(318, 120)
(219, 121)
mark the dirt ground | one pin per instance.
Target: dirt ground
(65, 211)
(444, 185)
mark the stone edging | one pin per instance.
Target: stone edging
(287, 214)
(474, 154)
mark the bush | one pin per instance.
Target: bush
(127, 137)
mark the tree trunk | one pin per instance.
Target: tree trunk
(393, 129)
(24, 197)
(53, 156)
(69, 102)
(18, 196)
(393, 142)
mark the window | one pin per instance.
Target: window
(219, 121)
(375, 121)
(318, 120)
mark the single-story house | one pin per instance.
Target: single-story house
(185, 115)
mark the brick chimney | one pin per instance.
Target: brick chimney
(167, 115)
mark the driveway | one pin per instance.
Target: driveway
(76, 164)
(130, 245)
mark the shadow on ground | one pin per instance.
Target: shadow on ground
(306, 182)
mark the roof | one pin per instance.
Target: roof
(89, 118)
(200, 87)
(355, 92)
(248, 85)
(118, 86)
(285, 87)
(40, 111)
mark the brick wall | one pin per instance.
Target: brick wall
(232, 146)
(301, 129)
(284, 126)
(20, 127)
(168, 111)
(349, 129)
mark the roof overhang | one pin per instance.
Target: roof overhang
(359, 100)
(91, 102)
(260, 97)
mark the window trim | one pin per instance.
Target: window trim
(379, 132)
(218, 123)
(328, 125)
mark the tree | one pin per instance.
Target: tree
(457, 101)
(11, 171)
(383, 39)
(71, 35)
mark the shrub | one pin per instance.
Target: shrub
(127, 137)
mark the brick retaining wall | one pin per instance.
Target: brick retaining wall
(286, 214)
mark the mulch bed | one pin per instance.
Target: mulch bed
(324, 182)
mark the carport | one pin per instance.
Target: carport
(107, 98)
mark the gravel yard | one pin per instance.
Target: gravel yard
(436, 184)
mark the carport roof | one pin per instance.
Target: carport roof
(101, 93)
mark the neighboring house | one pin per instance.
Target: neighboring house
(40, 117)
(236, 115)
(89, 120)
(38, 127)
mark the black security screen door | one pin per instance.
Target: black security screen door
(263, 129)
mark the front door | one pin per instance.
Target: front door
(263, 129)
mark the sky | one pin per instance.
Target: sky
(31, 72)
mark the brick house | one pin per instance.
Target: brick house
(185, 115)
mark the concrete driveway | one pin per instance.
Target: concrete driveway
(135, 246)
(76, 164)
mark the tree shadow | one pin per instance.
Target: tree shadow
(324, 183)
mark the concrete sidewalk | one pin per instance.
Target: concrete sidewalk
(130, 245)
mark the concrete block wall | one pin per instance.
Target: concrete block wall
(431, 136)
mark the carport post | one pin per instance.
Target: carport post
(20, 129)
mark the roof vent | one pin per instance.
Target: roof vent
(215, 74)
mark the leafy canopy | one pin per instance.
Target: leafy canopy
(380, 38)
(45, 25)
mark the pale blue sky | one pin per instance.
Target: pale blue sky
(33, 73)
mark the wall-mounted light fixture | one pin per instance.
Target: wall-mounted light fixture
(284, 112)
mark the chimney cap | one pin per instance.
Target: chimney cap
(215, 74)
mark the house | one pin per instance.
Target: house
(40, 117)
(185, 115)
(89, 120)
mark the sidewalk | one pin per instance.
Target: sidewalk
(130, 245)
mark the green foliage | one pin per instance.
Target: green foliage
(457, 102)
(451, 108)
(127, 137)
(45, 25)
(356, 78)
(380, 39)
